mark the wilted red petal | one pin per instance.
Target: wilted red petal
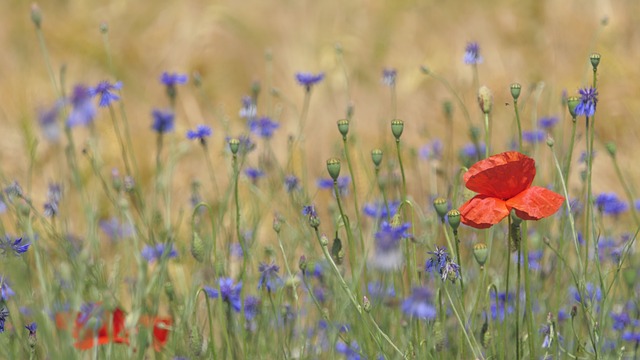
(483, 211)
(536, 203)
(503, 175)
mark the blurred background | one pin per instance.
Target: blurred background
(544, 45)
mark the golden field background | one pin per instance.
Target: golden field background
(543, 43)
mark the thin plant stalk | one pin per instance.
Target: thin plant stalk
(353, 188)
(527, 291)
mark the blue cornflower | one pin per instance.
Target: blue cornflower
(343, 184)
(631, 336)
(350, 352)
(419, 304)
(82, 109)
(251, 307)
(115, 230)
(269, 276)
(548, 331)
(16, 246)
(594, 294)
(32, 329)
(498, 305)
(534, 136)
(5, 291)
(583, 157)
(378, 291)
(171, 80)
(620, 320)
(200, 133)
(159, 251)
(48, 121)
(389, 76)
(4, 314)
(248, 109)
(472, 54)
(263, 127)
(54, 194)
(104, 90)
(548, 122)
(309, 210)
(588, 102)
(610, 204)
(291, 183)
(308, 79)
(229, 292)
(253, 173)
(90, 311)
(432, 150)
(378, 210)
(441, 262)
(388, 255)
(534, 259)
(470, 151)
(163, 121)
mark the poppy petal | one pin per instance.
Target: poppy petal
(483, 211)
(536, 203)
(502, 176)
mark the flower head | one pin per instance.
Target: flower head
(163, 121)
(419, 304)
(4, 314)
(389, 76)
(95, 325)
(588, 101)
(610, 204)
(253, 173)
(17, 247)
(548, 122)
(269, 276)
(116, 230)
(48, 121)
(472, 54)
(104, 90)
(503, 182)
(200, 133)
(251, 307)
(263, 127)
(5, 291)
(350, 352)
(82, 109)
(432, 150)
(53, 199)
(229, 292)
(534, 136)
(159, 251)
(32, 328)
(343, 184)
(388, 254)
(308, 79)
(443, 264)
(291, 183)
(170, 80)
(378, 209)
(248, 109)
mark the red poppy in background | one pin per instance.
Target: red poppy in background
(503, 182)
(161, 328)
(87, 337)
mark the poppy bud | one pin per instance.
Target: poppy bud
(485, 99)
(376, 157)
(572, 103)
(397, 126)
(314, 222)
(366, 304)
(595, 60)
(515, 91)
(550, 141)
(333, 167)
(324, 241)
(197, 247)
(480, 253)
(441, 205)
(234, 145)
(454, 219)
(343, 127)
(611, 149)
(36, 15)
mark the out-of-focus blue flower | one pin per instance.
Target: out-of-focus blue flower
(631, 336)
(15, 247)
(343, 184)
(33, 327)
(82, 109)
(593, 295)
(350, 352)
(229, 292)
(115, 230)
(90, 311)
(248, 110)
(498, 305)
(534, 259)
(159, 251)
(547, 122)
(170, 80)
(263, 127)
(441, 262)
(588, 102)
(4, 314)
(534, 136)
(472, 54)
(388, 255)
(308, 79)
(610, 204)
(200, 133)
(48, 121)
(471, 152)
(269, 276)
(419, 304)
(432, 150)
(291, 183)
(562, 315)
(378, 210)
(163, 121)
(3, 205)
(5, 291)
(377, 291)
(251, 307)
(54, 194)
(620, 320)
(389, 76)
(309, 210)
(583, 157)
(105, 90)
(253, 173)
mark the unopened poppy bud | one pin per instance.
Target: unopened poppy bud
(397, 126)
(515, 91)
(333, 167)
(343, 127)
(611, 149)
(302, 263)
(234, 145)
(441, 205)
(376, 157)
(366, 304)
(314, 221)
(454, 219)
(550, 141)
(323, 240)
(197, 247)
(572, 103)
(595, 60)
(480, 253)
(36, 15)
(485, 99)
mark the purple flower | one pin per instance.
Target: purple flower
(248, 109)
(308, 79)
(269, 276)
(610, 204)
(534, 259)
(350, 352)
(115, 230)
(291, 183)
(163, 121)
(470, 151)
(82, 109)
(588, 102)
(389, 76)
(90, 311)
(54, 194)
(498, 305)
(48, 121)
(5, 291)
(631, 336)
(228, 291)
(263, 127)
(171, 80)
(309, 210)
(548, 122)
(472, 54)
(620, 320)
(16, 246)
(200, 133)
(388, 255)
(104, 90)
(419, 304)
(431, 150)
(32, 329)
(534, 136)
(4, 314)
(343, 184)
(378, 291)
(594, 294)
(378, 210)
(442, 263)
(159, 251)
(253, 173)
(251, 307)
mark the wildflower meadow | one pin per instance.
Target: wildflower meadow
(309, 180)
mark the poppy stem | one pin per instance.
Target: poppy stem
(487, 136)
(506, 294)
(527, 292)
(515, 106)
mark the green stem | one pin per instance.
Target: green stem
(476, 354)
(213, 226)
(527, 291)
(350, 239)
(506, 302)
(487, 135)
(452, 91)
(245, 253)
(515, 106)
(212, 344)
(355, 194)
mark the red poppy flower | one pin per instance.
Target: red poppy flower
(87, 337)
(161, 328)
(503, 182)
